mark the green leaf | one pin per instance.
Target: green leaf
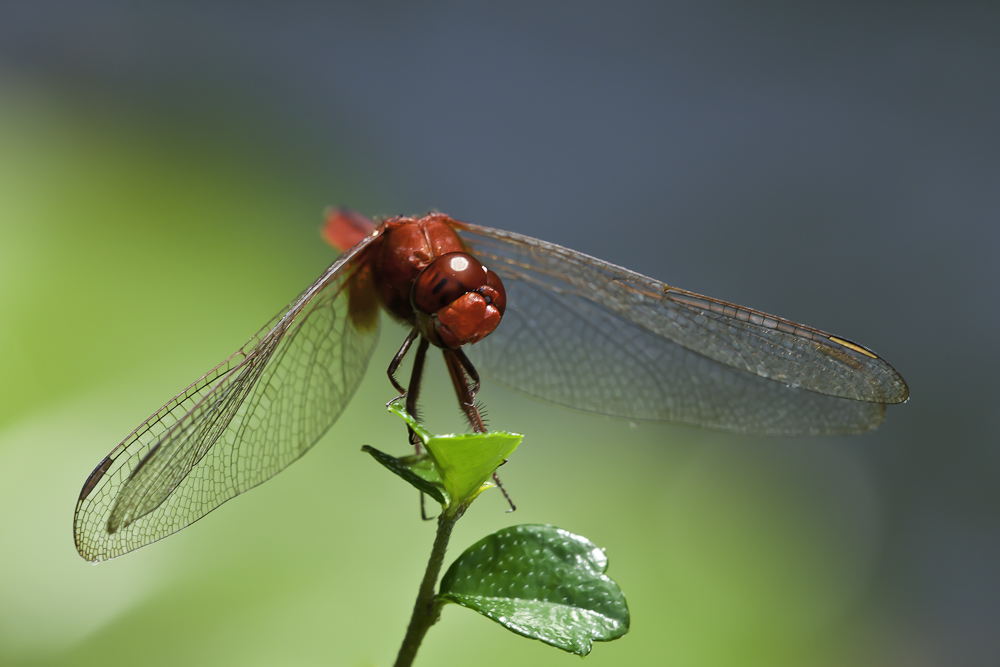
(417, 470)
(542, 582)
(397, 408)
(466, 461)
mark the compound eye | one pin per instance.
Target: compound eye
(446, 279)
(495, 291)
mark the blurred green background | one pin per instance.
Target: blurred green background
(163, 173)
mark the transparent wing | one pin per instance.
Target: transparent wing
(590, 335)
(240, 424)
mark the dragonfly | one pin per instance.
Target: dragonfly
(553, 323)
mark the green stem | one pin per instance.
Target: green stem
(425, 612)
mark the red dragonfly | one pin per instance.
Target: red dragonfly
(546, 320)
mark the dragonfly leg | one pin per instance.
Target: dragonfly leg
(496, 480)
(412, 395)
(398, 359)
(413, 390)
(470, 369)
(466, 394)
(461, 370)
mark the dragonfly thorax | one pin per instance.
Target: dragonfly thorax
(405, 247)
(424, 276)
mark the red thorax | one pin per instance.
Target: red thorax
(425, 276)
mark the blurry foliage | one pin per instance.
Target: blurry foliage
(135, 255)
(95, 208)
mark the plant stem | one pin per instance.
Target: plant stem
(425, 612)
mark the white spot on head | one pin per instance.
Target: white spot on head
(458, 263)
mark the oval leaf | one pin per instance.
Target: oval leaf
(542, 582)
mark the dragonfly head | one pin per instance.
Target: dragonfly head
(457, 300)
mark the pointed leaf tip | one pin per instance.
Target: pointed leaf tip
(419, 471)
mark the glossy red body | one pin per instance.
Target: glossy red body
(457, 300)
(405, 248)
(423, 275)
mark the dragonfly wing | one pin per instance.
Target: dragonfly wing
(590, 335)
(240, 424)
